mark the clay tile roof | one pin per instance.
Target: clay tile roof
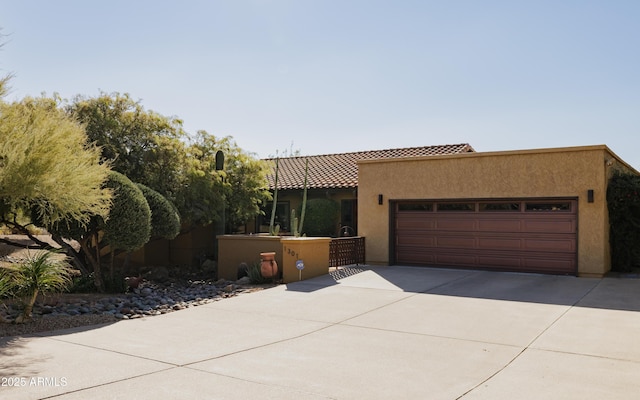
(340, 171)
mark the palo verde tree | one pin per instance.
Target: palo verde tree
(47, 166)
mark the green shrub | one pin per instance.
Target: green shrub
(129, 224)
(253, 271)
(82, 284)
(623, 199)
(165, 220)
(321, 218)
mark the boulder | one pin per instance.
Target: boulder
(245, 280)
(243, 270)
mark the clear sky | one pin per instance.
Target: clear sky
(330, 76)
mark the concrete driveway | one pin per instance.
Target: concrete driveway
(361, 333)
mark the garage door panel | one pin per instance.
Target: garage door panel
(550, 225)
(533, 241)
(426, 241)
(455, 224)
(500, 243)
(456, 242)
(499, 225)
(561, 245)
(418, 224)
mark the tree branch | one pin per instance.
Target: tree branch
(24, 231)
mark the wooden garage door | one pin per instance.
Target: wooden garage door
(519, 235)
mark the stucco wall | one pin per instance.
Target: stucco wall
(237, 249)
(565, 172)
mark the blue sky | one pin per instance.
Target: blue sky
(331, 76)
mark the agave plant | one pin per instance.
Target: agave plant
(255, 275)
(47, 271)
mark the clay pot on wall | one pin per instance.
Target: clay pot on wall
(268, 265)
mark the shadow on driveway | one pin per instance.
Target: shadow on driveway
(608, 293)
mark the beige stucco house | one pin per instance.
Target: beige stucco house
(533, 210)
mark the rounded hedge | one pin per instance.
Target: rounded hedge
(128, 226)
(165, 220)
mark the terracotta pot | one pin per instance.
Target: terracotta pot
(268, 265)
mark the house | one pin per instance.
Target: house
(537, 210)
(541, 210)
(335, 177)
(332, 176)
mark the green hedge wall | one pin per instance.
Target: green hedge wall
(623, 198)
(321, 218)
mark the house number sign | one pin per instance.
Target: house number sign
(290, 252)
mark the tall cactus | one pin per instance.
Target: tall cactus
(273, 231)
(294, 223)
(297, 224)
(304, 196)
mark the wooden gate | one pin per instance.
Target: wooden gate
(346, 251)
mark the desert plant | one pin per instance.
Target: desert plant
(47, 271)
(294, 223)
(297, 225)
(273, 230)
(48, 165)
(253, 271)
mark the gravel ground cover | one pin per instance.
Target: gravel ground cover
(68, 310)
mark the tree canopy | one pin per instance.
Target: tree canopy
(145, 146)
(154, 150)
(71, 168)
(46, 164)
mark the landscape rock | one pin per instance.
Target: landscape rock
(149, 299)
(245, 280)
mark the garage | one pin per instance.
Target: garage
(524, 235)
